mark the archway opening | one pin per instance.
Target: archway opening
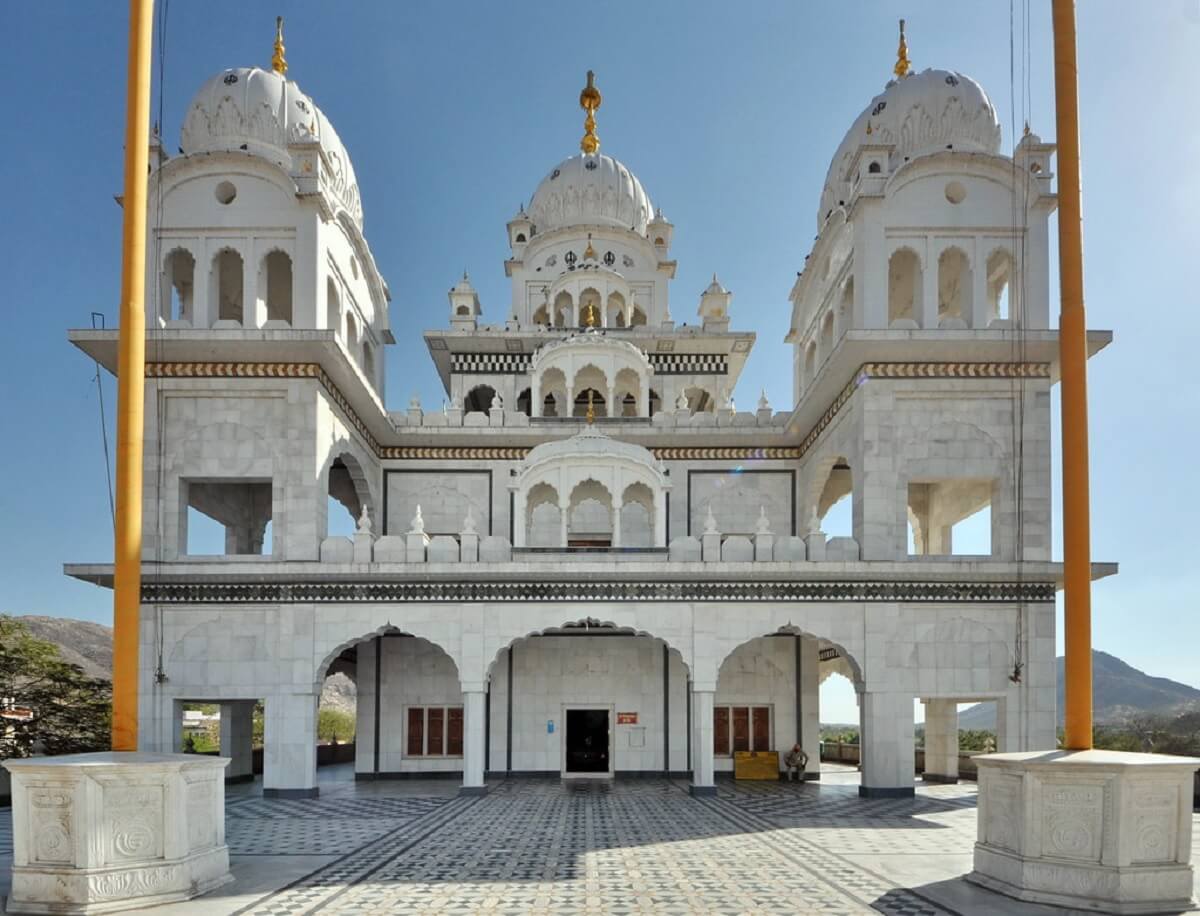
(1000, 285)
(590, 515)
(228, 286)
(479, 399)
(954, 288)
(278, 268)
(178, 286)
(835, 504)
(904, 286)
(589, 699)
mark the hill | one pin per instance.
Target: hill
(1119, 692)
(89, 645)
(80, 642)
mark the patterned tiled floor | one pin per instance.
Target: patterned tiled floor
(636, 847)
(535, 846)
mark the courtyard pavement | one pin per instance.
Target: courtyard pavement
(640, 846)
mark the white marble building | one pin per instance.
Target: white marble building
(590, 562)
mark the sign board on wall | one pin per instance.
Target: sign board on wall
(627, 718)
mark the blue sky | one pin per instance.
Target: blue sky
(728, 113)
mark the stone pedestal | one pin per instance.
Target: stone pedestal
(96, 833)
(1094, 830)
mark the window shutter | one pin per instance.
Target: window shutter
(454, 731)
(721, 731)
(437, 717)
(416, 731)
(762, 728)
(741, 728)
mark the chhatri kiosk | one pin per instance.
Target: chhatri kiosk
(589, 561)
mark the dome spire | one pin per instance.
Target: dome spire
(902, 63)
(589, 101)
(278, 61)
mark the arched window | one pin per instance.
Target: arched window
(954, 286)
(542, 317)
(835, 500)
(615, 311)
(176, 300)
(479, 399)
(351, 336)
(279, 287)
(638, 318)
(810, 363)
(904, 286)
(564, 310)
(333, 308)
(368, 361)
(524, 402)
(520, 236)
(827, 335)
(1000, 285)
(589, 519)
(228, 286)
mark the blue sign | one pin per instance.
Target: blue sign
(549, 726)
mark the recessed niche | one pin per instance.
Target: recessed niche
(225, 192)
(955, 192)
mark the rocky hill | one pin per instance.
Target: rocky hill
(80, 642)
(1119, 693)
(89, 645)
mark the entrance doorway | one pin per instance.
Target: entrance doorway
(588, 751)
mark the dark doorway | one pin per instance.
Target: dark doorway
(587, 741)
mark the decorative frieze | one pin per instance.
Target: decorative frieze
(458, 591)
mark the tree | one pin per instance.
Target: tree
(48, 705)
(334, 726)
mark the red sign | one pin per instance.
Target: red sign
(627, 718)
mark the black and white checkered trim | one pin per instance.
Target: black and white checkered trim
(490, 363)
(689, 363)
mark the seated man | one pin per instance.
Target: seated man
(796, 761)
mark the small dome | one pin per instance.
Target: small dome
(262, 113)
(590, 190)
(919, 114)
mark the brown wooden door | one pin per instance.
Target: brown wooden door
(741, 728)
(762, 728)
(721, 730)
(416, 731)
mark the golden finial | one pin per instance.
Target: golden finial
(589, 252)
(589, 315)
(278, 61)
(589, 101)
(591, 411)
(869, 128)
(902, 64)
(1027, 131)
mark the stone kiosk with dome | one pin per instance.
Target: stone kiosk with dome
(591, 562)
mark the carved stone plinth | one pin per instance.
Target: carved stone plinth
(1094, 830)
(94, 833)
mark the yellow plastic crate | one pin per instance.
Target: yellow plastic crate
(756, 765)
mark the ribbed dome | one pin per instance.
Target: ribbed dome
(261, 112)
(590, 190)
(920, 114)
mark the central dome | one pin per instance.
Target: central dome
(590, 189)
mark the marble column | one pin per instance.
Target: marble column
(941, 741)
(474, 717)
(886, 745)
(702, 741)
(808, 681)
(290, 746)
(237, 739)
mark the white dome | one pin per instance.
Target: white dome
(919, 114)
(590, 190)
(262, 113)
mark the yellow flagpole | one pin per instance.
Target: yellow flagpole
(131, 371)
(1072, 343)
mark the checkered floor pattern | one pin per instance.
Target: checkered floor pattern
(536, 846)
